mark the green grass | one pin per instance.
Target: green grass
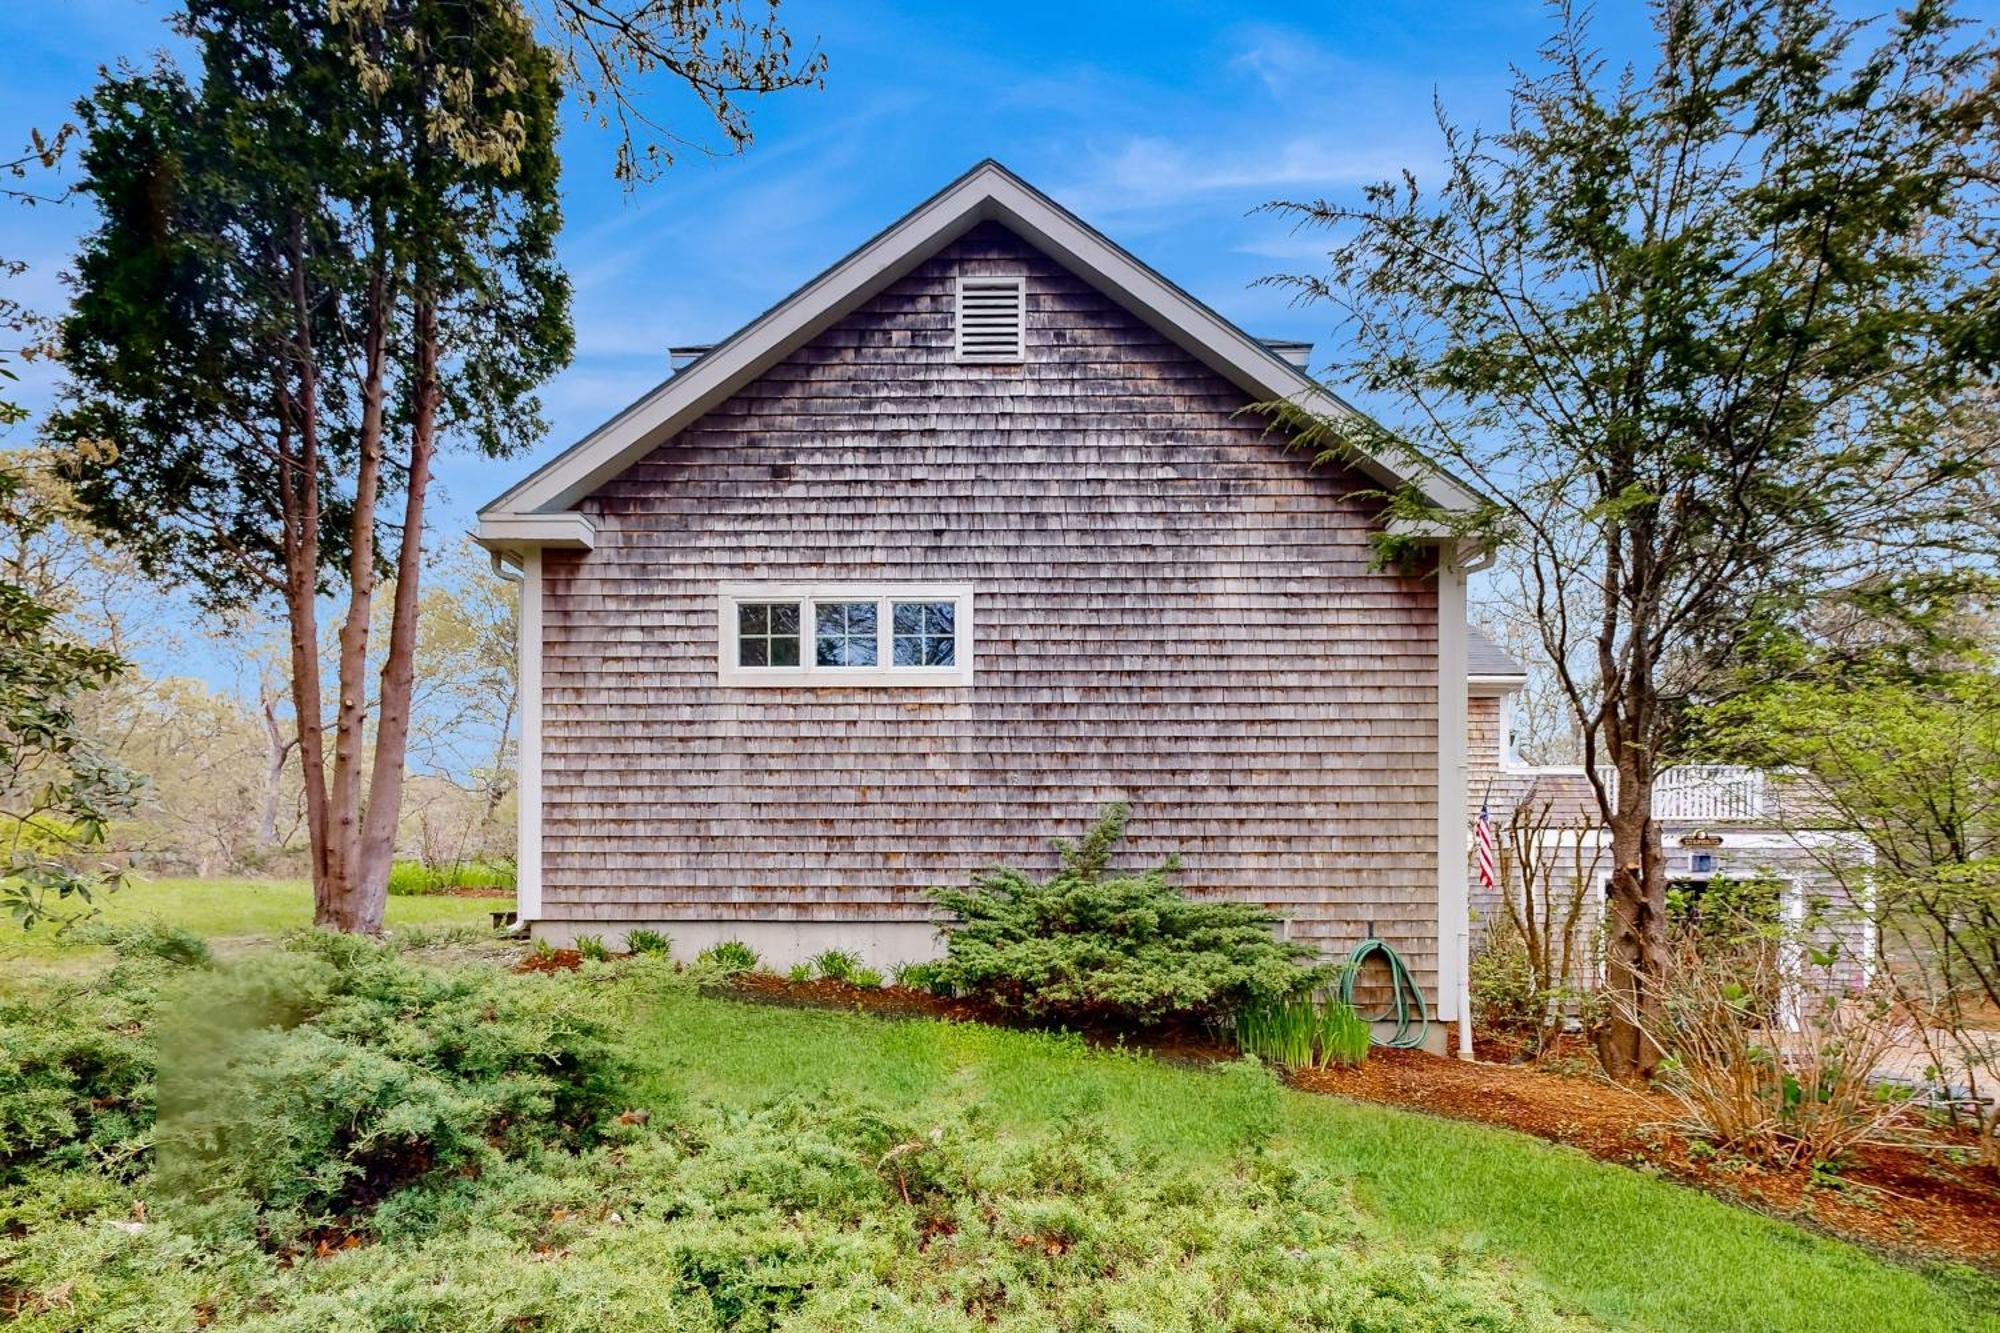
(1605, 1241)
(229, 912)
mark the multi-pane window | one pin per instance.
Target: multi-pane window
(925, 633)
(767, 634)
(891, 634)
(846, 634)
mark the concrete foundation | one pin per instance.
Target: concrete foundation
(779, 944)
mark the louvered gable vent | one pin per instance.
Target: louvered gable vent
(991, 313)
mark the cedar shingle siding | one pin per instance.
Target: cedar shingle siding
(1171, 609)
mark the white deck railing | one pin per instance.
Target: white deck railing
(1709, 792)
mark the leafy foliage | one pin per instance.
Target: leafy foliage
(835, 964)
(729, 956)
(1903, 756)
(1709, 334)
(408, 878)
(57, 790)
(816, 1213)
(329, 1079)
(1304, 1032)
(643, 941)
(1089, 945)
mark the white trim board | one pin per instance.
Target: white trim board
(528, 794)
(988, 192)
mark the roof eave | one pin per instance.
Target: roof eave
(989, 192)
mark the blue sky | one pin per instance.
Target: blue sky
(1162, 123)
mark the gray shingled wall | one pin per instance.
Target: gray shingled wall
(1172, 609)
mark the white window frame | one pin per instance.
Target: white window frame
(1019, 284)
(809, 673)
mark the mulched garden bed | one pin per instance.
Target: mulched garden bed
(1921, 1204)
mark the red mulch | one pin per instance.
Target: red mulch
(1893, 1198)
(1896, 1198)
(556, 960)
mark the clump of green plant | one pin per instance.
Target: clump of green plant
(1131, 948)
(337, 1076)
(1303, 1032)
(1505, 997)
(729, 957)
(150, 939)
(867, 978)
(835, 964)
(592, 947)
(643, 941)
(77, 1072)
(817, 1213)
(799, 972)
(923, 977)
(414, 878)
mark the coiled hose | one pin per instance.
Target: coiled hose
(1402, 987)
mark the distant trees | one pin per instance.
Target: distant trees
(1700, 332)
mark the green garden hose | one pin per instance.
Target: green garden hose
(1402, 986)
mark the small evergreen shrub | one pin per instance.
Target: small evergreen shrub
(329, 1079)
(1504, 996)
(729, 957)
(647, 941)
(77, 1073)
(1132, 948)
(176, 945)
(835, 964)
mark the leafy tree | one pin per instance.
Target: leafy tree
(1909, 761)
(1700, 332)
(609, 51)
(328, 255)
(57, 789)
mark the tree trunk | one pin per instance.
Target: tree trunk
(350, 908)
(392, 725)
(1635, 935)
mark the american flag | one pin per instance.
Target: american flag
(1482, 838)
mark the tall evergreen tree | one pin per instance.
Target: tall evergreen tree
(322, 257)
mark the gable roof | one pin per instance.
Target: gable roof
(1483, 657)
(535, 511)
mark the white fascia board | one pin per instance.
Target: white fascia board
(1490, 686)
(514, 532)
(989, 192)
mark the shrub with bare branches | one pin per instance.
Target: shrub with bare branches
(1767, 1059)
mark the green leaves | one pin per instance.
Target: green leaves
(1129, 948)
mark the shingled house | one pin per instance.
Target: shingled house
(969, 536)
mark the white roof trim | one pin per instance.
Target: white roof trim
(989, 192)
(510, 532)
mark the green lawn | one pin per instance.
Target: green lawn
(1608, 1244)
(1605, 1241)
(231, 912)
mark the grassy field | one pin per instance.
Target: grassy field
(1608, 1245)
(230, 912)
(1611, 1243)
